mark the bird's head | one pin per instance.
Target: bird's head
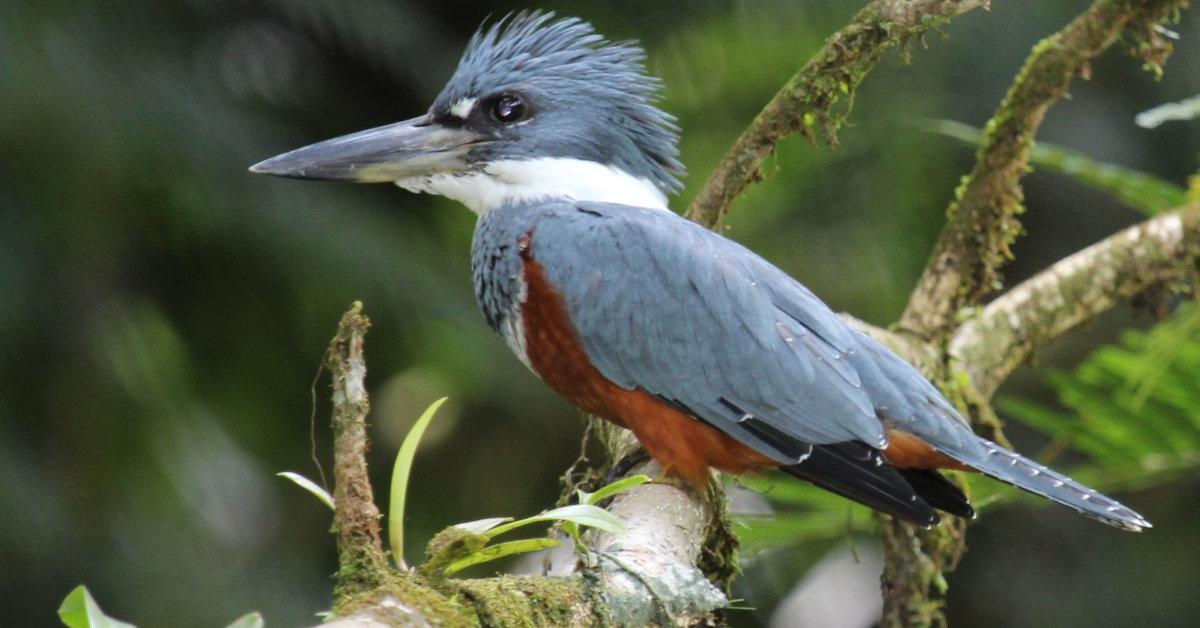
(538, 108)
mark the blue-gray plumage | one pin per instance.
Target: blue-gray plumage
(710, 354)
(594, 98)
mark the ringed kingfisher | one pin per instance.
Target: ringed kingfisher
(711, 355)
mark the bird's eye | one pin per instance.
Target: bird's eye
(509, 108)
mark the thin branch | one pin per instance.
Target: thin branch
(362, 565)
(819, 96)
(1074, 290)
(982, 223)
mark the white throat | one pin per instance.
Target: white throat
(508, 181)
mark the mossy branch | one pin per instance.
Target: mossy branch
(1161, 251)
(817, 99)
(362, 564)
(982, 219)
(964, 267)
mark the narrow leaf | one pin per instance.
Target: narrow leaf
(609, 490)
(79, 610)
(1141, 191)
(580, 514)
(400, 473)
(500, 550)
(310, 486)
(482, 525)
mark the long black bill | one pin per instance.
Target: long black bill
(416, 147)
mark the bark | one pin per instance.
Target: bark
(1161, 251)
(361, 561)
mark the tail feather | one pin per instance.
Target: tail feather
(939, 492)
(857, 471)
(1028, 475)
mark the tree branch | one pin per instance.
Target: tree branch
(982, 219)
(1076, 289)
(361, 561)
(965, 263)
(820, 95)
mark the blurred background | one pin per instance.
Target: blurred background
(163, 313)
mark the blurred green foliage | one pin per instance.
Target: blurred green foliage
(1138, 190)
(162, 313)
(1134, 407)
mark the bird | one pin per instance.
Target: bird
(712, 356)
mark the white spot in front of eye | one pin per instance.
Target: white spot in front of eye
(462, 108)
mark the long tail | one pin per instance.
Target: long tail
(1026, 474)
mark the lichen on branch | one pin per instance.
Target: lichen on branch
(1162, 250)
(982, 219)
(816, 100)
(362, 564)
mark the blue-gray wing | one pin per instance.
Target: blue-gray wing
(667, 306)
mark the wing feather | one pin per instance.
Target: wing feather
(664, 305)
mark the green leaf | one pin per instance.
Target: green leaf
(609, 490)
(79, 610)
(482, 525)
(310, 486)
(1139, 190)
(400, 473)
(500, 550)
(249, 620)
(579, 514)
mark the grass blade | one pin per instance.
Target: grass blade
(310, 486)
(399, 487)
(609, 490)
(500, 550)
(482, 525)
(579, 514)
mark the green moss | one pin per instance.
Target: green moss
(413, 592)
(499, 601)
(526, 601)
(448, 546)
(914, 588)
(983, 223)
(720, 551)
